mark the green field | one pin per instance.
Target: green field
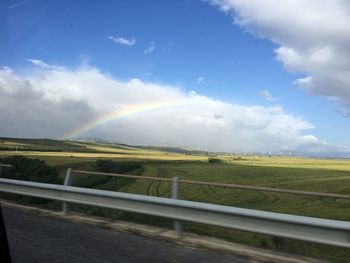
(319, 175)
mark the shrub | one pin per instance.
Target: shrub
(108, 166)
(109, 182)
(27, 169)
(215, 160)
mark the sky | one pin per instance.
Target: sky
(220, 75)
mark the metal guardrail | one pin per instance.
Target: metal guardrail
(323, 231)
(236, 186)
(5, 165)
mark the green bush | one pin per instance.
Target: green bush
(109, 182)
(108, 166)
(215, 160)
(27, 169)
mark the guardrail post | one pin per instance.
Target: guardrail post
(176, 195)
(68, 182)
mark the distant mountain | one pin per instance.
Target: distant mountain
(92, 139)
(171, 149)
(333, 155)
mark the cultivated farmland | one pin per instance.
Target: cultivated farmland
(309, 174)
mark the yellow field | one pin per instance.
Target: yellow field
(295, 162)
(94, 151)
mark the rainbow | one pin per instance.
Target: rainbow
(122, 113)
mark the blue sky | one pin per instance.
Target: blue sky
(196, 47)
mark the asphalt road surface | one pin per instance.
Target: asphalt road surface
(34, 238)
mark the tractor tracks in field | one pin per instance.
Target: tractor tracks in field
(206, 192)
(270, 198)
(149, 188)
(153, 187)
(158, 183)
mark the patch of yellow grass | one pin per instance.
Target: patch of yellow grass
(14, 144)
(116, 152)
(142, 155)
(295, 162)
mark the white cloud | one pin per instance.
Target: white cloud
(123, 41)
(267, 95)
(313, 38)
(42, 64)
(150, 48)
(200, 79)
(54, 101)
(18, 4)
(7, 69)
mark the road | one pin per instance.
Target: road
(36, 238)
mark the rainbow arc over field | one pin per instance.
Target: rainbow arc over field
(123, 113)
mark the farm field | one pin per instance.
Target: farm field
(309, 174)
